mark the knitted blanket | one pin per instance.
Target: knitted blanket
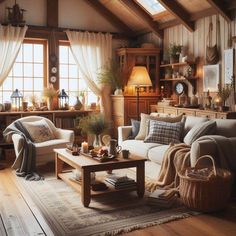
(26, 157)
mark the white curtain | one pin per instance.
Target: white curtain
(92, 51)
(11, 39)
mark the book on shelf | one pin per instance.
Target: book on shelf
(118, 178)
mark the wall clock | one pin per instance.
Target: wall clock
(180, 87)
(53, 79)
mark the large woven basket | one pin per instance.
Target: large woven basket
(211, 194)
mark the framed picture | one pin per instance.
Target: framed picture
(228, 65)
(211, 77)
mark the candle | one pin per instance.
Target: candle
(84, 147)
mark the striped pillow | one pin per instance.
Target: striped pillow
(164, 132)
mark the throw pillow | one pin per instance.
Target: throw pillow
(144, 123)
(39, 131)
(135, 128)
(164, 132)
(198, 130)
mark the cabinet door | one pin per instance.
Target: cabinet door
(207, 114)
(132, 108)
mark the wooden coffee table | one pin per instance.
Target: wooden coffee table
(88, 165)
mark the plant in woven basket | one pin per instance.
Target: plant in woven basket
(50, 93)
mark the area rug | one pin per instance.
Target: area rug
(62, 208)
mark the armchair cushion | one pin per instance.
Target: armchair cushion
(39, 131)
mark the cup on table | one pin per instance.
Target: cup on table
(125, 153)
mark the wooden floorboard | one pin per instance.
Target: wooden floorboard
(20, 216)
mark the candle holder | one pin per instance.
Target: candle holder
(63, 100)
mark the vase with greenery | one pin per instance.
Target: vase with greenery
(50, 93)
(110, 74)
(95, 124)
(224, 93)
(174, 52)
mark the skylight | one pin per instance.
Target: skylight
(152, 6)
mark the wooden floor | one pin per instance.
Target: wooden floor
(20, 217)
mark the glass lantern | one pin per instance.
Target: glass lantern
(63, 100)
(16, 100)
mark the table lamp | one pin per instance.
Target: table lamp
(139, 78)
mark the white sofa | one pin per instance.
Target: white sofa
(154, 152)
(44, 150)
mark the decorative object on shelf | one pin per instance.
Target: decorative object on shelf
(95, 124)
(174, 52)
(16, 15)
(194, 101)
(16, 100)
(211, 74)
(139, 78)
(84, 147)
(183, 99)
(7, 106)
(224, 93)
(63, 100)
(208, 100)
(111, 74)
(24, 106)
(1, 107)
(180, 87)
(50, 93)
(78, 105)
(217, 103)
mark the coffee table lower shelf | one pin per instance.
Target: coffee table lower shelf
(66, 177)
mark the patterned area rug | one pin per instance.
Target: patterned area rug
(64, 212)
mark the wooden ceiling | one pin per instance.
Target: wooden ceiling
(132, 19)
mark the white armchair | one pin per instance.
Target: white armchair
(44, 150)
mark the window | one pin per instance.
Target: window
(70, 77)
(28, 72)
(151, 6)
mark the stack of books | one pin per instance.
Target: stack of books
(120, 182)
(163, 198)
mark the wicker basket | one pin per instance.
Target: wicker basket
(206, 195)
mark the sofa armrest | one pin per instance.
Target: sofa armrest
(200, 148)
(123, 133)
(65, 134)
(18, 142)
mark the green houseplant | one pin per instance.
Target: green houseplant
(111, 74)
(95, 124)
(224, 93)
(174, 51)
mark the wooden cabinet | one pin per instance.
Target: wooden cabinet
(149, 57)
(124, 109)
(194, 112)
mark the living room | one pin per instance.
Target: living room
(117, 117)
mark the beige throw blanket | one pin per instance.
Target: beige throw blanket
(176, 158)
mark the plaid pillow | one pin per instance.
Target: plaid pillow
(164, 132)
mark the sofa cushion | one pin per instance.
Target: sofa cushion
(138, 147)
(48, 146)
(39, 131)
(198, 130)
(144, 123)
(191, 121)
(156, 154)
(135, 128)
(225, 127)
(164, 132)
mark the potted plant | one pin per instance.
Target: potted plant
(95, 124)
(224, 93)
(174, 52)
(111, 74)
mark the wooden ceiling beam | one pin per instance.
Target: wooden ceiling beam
(113, 19)
(179, 12)
(220, 7)
(161, 15)
(52, 13)
(139, 12)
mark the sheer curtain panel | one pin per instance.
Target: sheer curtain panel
(11, 39)
(92, 51)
